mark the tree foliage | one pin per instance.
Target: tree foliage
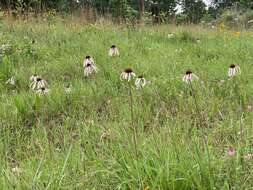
(160, 10)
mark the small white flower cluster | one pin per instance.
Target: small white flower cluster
(5, 49)
(11, 81)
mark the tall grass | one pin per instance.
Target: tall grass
(82, 140)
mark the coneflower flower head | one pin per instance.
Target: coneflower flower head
(231, 151)
(37, 82)
(68, 89)
(171, 35)
(42, 90)
(88, 60)
(189, 77)
(234, 70)
(140, 82)
(113, 51)
(11, 81)
(127, 74)
(34, 77)
(89, 66)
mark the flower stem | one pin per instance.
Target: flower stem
(204, 138)
(132, 121)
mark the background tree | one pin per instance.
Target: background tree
(193, 9)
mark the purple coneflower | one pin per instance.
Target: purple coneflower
(42, 91)
(88, 60)
(127, 74)
(113, 51)
(89, 66)
(37, 82)
(231, 151)
(140, 82)
(89, 69)
(189, 77)
(233, 70)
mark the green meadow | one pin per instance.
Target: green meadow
(105, 133)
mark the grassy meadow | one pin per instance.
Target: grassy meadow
(188, 136)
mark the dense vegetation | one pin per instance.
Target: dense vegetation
(188, 136)
(159, 11)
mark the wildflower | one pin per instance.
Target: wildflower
(233, 70)
(16, 170)
(127, 74)
(189, 77)
(231, 152)
(37, 82)
(68, 89)
(113, 51)
(42, 91)
(249, 108)
(103, 136)
(221, 82)
(88, 60)
(237, 34)
(178, 50)
(11, 81)
(5, 49)
(146, 188)
(89, 69)
(89, 66)
(248, 156)
(171, 35)
(140, 82)
(250, 21)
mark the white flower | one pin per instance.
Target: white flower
(89, 66)
(11, 81)
(189, 77)
(113, 51)
(68, 89)
(127, 74)
(233, 70)
(178, 50)
(140, 82)
(89, 69)
(16, 170)
(5, 49)
(42, 91)
(88, 60)
(171, 35)
(37, 82)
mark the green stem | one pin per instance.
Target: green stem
(132, 121)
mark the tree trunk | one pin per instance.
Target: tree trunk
(142, 9)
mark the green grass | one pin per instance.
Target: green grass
(184, 132)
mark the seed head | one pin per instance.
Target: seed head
(128, 70)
